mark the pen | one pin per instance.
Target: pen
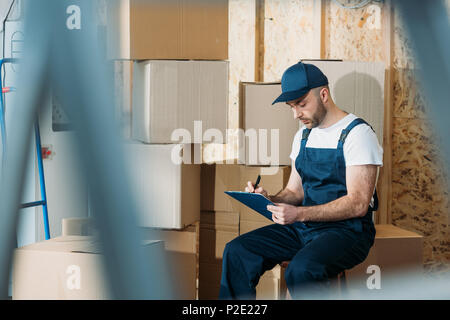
(257, 181)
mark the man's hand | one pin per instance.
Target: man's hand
(284, 213)
(250, 188)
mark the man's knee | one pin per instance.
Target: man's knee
(234, 247)
(299, 272)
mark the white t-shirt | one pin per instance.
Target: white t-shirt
(360, 147)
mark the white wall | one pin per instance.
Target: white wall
(67, 194)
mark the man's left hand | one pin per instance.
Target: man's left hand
(284, 213)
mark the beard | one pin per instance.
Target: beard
(318, 116)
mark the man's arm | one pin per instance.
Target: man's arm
(360, 186)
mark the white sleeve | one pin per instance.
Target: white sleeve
(361, 147)
(296, 145)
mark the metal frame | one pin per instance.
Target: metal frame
(42, 202)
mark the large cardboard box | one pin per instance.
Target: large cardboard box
(272, 183)
(395, 251)
(168, 29)
(269, 130)
(216, 230)
(215, 180)
(247, 226)
(175, 100)
(69, 267)
(167, 192)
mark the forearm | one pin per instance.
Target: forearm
(287, 196)
(343, 208)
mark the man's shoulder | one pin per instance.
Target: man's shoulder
(362, 134)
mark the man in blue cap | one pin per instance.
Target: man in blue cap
(323, 218)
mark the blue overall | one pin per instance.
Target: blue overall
(317, 251)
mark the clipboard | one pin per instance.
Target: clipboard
(255, 201)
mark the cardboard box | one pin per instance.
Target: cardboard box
(208, 291)
(259, 115)
(394, 250)
(64, 268)
(272, 183)
(358, 88)
(167, 192)
(181, 248)
(271, 285)
(168, 29)
(209, 280)
(79, 227)
(175, 100)
(216, 230)
(215, 180)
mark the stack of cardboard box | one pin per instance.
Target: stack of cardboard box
(175, 56)
(223, 219)
(178, 75)
(219, 223)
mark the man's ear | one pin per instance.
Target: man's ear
(324, 94)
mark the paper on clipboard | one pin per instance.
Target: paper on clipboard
(255, 201)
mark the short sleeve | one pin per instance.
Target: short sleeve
(361, 147)
(296, 145)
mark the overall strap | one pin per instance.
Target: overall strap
(305, 136)
(347, 130)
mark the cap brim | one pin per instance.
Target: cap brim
(291, 95)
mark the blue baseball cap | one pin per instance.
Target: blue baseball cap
(298, 79)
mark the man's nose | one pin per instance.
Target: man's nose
(297, 113)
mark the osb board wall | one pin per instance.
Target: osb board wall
(353, 34)
(419, 188)
(290, 34)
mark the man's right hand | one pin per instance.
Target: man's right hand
(251, 188)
